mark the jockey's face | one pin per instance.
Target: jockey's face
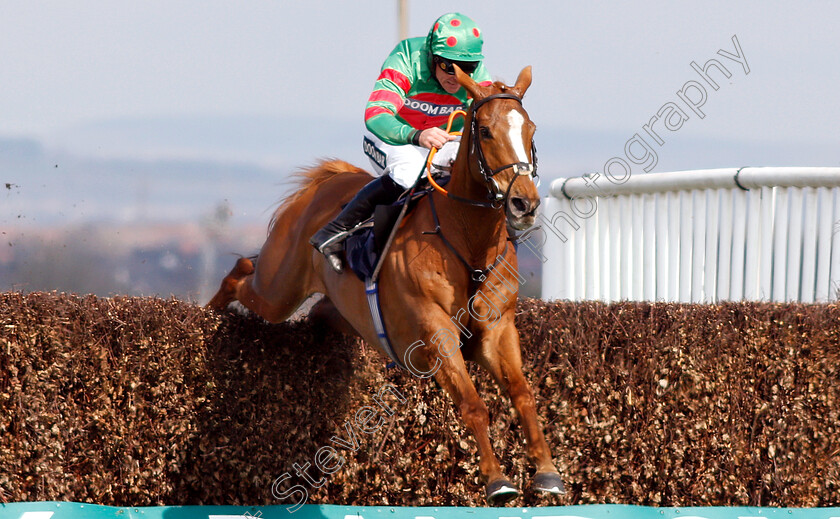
(447, 81)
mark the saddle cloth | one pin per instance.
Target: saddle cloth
(363, 248)
(364, 245)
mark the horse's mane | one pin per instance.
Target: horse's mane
(307, 178)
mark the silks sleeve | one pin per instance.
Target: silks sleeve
(388, 97)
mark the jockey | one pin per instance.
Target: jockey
(405, 117)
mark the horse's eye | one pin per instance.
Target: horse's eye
(485, 132)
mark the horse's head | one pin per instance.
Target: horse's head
(499, 135)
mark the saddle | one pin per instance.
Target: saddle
(363, 247)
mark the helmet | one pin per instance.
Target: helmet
(456, 37)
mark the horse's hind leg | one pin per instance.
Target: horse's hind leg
(230, 284)
(325, 312)
(238, 286)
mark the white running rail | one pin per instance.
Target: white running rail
(758, 234)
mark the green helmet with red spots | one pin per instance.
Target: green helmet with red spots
(456, 37)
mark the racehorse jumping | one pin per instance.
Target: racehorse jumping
(448, 285)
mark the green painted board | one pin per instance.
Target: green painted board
(57, 510)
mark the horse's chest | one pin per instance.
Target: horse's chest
(435, 283)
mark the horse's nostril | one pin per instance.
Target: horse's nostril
(520, 206)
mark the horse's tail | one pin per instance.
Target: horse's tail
(310, 178)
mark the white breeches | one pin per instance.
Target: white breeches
(405, 162)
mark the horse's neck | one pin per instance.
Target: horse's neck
(479, 231)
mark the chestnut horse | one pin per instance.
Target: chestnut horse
(446, 296)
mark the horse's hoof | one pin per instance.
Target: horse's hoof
(549, 482)
(243, 267)
(500, 492)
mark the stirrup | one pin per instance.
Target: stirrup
(334, 242)
(334, 257)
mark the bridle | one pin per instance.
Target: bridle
(495, 195)
(519, 168)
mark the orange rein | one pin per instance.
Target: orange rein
(434, 150)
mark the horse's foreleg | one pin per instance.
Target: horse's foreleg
(453, 377)
(502, 357)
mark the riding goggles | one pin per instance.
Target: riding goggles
(446, 65)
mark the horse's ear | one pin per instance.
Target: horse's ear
(468, 83)
(523, 81)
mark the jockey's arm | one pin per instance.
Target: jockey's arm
(383, 123)
(388, 96)
(390, 130)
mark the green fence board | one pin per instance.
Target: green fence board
(59, 510)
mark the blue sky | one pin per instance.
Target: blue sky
(277, 82)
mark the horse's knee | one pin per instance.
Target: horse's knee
(475, 413)
(518, 388)
(522, 391)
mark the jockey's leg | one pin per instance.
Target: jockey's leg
(330, 239)
(398, 167)
(403, 163)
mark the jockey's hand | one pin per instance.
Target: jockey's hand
(434, 137)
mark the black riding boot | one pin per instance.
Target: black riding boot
(330, 239)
